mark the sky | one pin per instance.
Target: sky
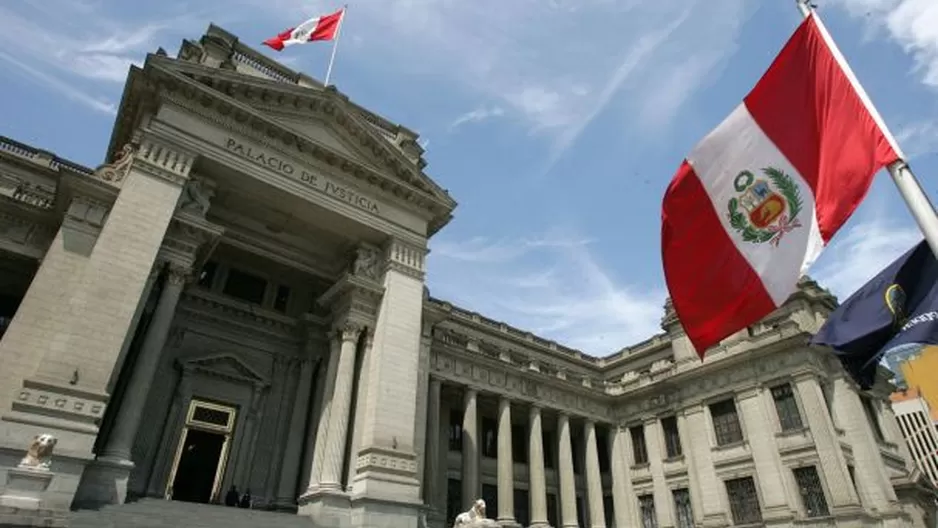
(556, 124)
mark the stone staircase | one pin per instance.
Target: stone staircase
(155, 513)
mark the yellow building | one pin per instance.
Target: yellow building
(921, 372)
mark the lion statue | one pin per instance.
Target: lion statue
(475, 517)
(39, 454)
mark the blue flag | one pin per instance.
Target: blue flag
(898, 306)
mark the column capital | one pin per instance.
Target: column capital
(177, 275)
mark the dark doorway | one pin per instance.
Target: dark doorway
(198, 465)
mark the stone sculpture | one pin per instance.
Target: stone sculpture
(117, 169)
(475, 517)
(39, 454)
(366, 263)
(196, 197)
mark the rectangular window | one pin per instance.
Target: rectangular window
(489, 438)
(744, 503)
(455, 430)
(549, 441)
(726, 422)
(646, 507)
(812, 494)
(672, 438)
(639, 449)
(281, 299)
(683, 509)
(245, 286)
(519, 444)
(872, 417)
(786, 407)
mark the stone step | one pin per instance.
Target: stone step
(154, 513)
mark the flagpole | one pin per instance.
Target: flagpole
(335, 44)
(923, 211)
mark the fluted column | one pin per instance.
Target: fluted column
(322, 428)
(339, 411)
(360, 401)
(470, 449)
(654, 444)
(537, 494)
(565, 472)
(286, 490)
(433, 469)
(623, 497)
(506, 477)
(762, 444)
(131, 411)
(594, 482)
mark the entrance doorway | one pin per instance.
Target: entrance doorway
(202, 453)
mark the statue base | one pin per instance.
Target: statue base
(25, 487)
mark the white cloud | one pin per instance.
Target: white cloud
(552, 286)
(64, 88)
(478, 115)
(864, 250)
(913, 24)
(918, 139)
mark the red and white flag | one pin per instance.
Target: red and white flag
(759, 198)
(320, 28)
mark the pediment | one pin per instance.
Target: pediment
(226, 366)
(320, 116)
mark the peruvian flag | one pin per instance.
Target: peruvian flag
(319, 28)
(759, 198)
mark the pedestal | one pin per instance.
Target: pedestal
(25, 488)
(326, 507)
(104, 482)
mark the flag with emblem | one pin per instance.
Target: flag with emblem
(324, 27)
(758, 199)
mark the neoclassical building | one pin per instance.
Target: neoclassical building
(236, 297)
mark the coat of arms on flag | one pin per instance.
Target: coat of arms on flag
(764, 210)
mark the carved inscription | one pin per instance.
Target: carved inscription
(310, 179)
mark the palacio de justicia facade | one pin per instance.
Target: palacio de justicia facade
(237, 298)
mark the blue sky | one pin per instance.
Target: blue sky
(557, 124)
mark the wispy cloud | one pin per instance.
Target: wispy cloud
(478, 115)
(553, 285)
(62, 87)
(913, 24)
(918, 139)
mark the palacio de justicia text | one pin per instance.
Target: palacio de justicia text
(237, 297)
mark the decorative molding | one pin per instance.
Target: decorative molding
(224, 366)
(64, 402)
(224, 310)
(160, 159)
(31, 237)
(386, 461)
(86, 214)
(178, 275)
(115, 171)
(406, 258)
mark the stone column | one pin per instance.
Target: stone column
(760, 435)
(537, 481)
(833, 464)
(433, 469)
(565, 473)
(360, 399)
(322, 428)
(594, 482)
(871, 475)
(470, 449)
(506, 465)
(290, 470)
(131, 411)
(623, 496)
(339, 411)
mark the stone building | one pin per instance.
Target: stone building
(237, 298)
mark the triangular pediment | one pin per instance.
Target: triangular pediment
(320, 115)
(226, 366)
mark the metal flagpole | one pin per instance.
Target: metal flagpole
(909, 187)
(335, 44)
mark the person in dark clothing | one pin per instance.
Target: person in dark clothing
(232, 497)
(246, 499)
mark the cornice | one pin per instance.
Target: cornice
(222, 94)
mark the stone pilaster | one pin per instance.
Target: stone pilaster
(594, 483)
(339, 413)
(471, 487)
(387, 457)
(62, 347)
(568, 517)
(537, 494)
(776, 509)
(363, 387)
(827, 442)
(623, 496)
(322, 428)
(654, 443)
(506, 477)
(711, 490)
